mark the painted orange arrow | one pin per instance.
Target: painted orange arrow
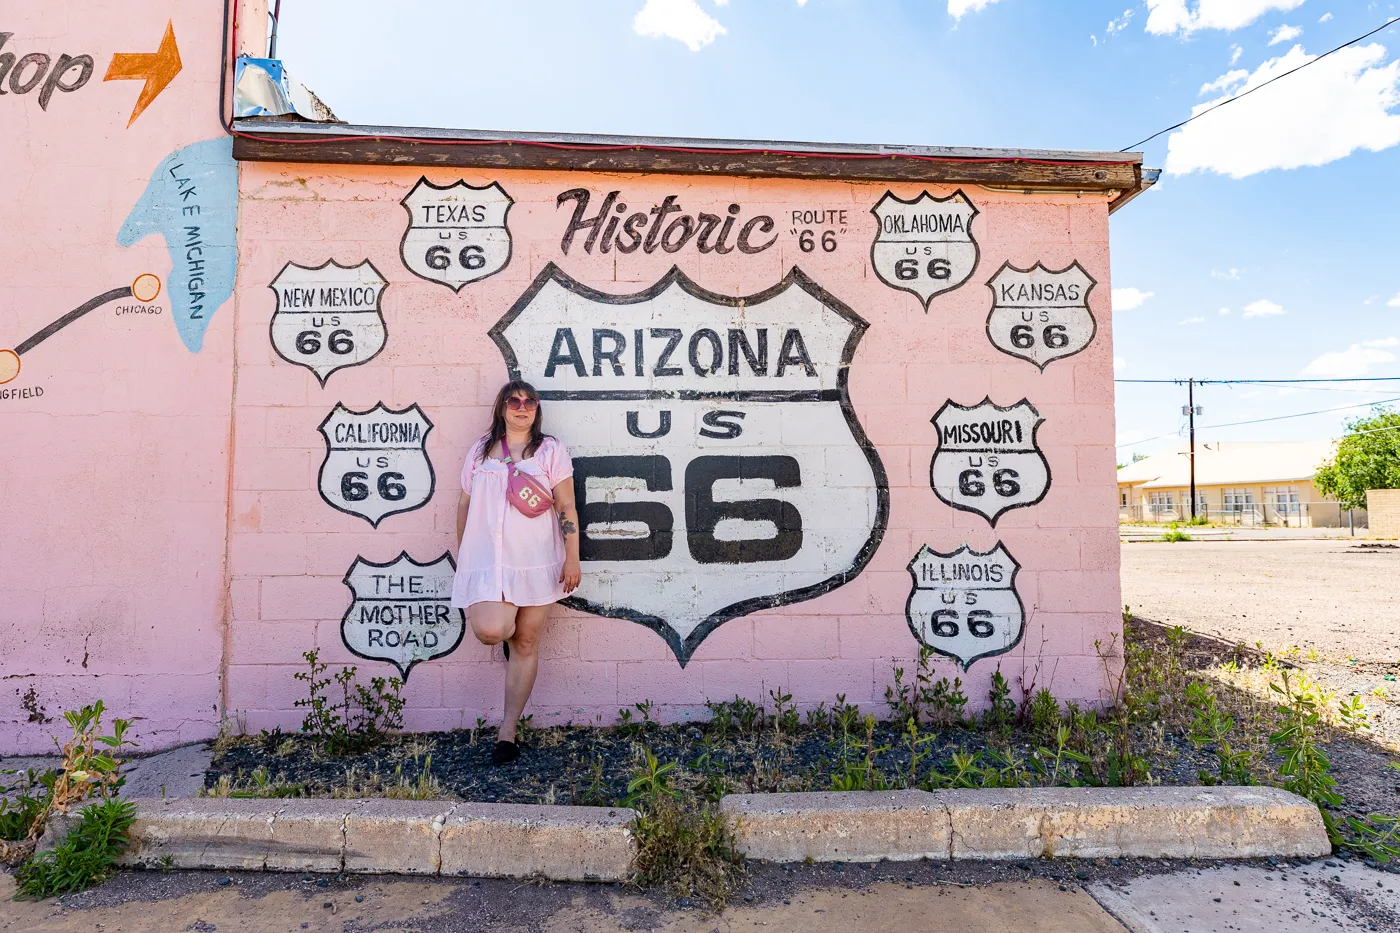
(156, 68)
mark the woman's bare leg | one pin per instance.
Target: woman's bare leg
(524, 663)
(492, 623)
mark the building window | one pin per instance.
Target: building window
(1283, 499)
(1161, 501)
(1238, 500)
(1123, 498)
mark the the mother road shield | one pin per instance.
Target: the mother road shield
(718, 465)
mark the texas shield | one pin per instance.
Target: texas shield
(456, 234)
(987, 459)
(402, 611)
(964, 605)
(376, 463)
(1040, 314)
(328, 316)
(924, 246)
(718, 465)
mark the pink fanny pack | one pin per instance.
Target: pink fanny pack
(527, 494)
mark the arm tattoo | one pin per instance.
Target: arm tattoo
(566, 526)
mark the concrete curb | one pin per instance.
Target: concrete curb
(489, 840)
(1042, 822)
(496, 840)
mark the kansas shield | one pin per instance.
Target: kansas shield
(1040, 314)
(924, 246)
(328, 316)
(376, 463)
(718, 465)
(401, 611)
(456, 234)
(987, 459)
(964, 605)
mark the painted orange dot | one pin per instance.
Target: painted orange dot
(9, 365)
(146, 287)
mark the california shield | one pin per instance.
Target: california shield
(987, 459)
(1041, 314)
(402, 611)
(718, 465)
(376, 461)
(924, 246)
(456, 234)
(964, 605)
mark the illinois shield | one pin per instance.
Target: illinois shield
(328, 316)
(964, 605)
(718, 465)
(401, 611)
(376, 461)
(924, 246)
(1041, 314)
(456, 234)
(987, 459)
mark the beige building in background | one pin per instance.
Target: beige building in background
(1247, 483)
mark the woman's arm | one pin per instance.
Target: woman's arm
(568, 524)
(464, 502)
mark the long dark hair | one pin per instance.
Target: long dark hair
(498, 420)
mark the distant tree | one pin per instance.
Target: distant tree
(1367, 458)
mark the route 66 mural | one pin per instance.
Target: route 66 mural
(402, 611)
(718, 463)
(376, 463)
(924, 246)
(964, 605)
(987, 459)
(1041, 314)
(328, 316)
(456, 234)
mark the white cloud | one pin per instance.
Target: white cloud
(1166, 17)
(1194, 320)
(1284, 34)
(956, 8)
(1336, 107)
(1226, 81)
(1262, 308)
(1325, 17)
(1394, 302)
(1230, 273)
(1126, 299)
(1119, 364)
(1355, 360)
(682, 20)
(1116, 26)
(1235, 53)
(1223, 311)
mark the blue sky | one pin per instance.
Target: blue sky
(1267, 251)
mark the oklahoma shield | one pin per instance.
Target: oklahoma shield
(402, 611)
(924, 246)
(718, 465)
(456, 234)
(964, 605)
(328, 316)
(376, 463)
(1039, 314)
(987, 459)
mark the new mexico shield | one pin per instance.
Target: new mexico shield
(924, 246)
(1041, 314)
(456, 234)
(964, 605)
(718, 465)
(987, 459)
(328, 316)
(402, 611)
(376, 463)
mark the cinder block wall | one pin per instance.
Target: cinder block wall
(1383, 512)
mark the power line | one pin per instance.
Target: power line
(1225, 382)
(1231, 100)
(1302, 414)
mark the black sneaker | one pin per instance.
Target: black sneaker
(504, 753)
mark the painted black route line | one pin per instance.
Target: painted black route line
(70, 317)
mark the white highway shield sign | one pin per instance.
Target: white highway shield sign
(456, 234)
(987, 459)
(964, 605)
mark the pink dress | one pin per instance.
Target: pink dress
(506, 556)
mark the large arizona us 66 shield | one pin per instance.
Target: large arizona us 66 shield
(718, 465)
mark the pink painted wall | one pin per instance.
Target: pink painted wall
(290, 549)
(114, 433)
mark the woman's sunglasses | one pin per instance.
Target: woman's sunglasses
(516, 403)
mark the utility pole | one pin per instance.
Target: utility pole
(1191, 411)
